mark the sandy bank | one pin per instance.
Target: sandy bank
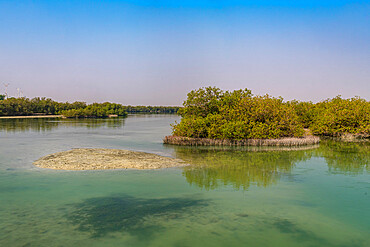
(98, 158)
(289, 141)
(33, 116)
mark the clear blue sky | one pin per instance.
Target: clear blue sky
(154, 52)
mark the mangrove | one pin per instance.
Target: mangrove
(211, 116)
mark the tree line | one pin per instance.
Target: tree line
(212, 113)
(46, 106)
(152, 109)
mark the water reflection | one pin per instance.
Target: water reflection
(48, 124)
(345, 157)
(213, 167)
(240, 167)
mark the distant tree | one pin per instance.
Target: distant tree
(2, 97)
(96, 110)
(152, 109)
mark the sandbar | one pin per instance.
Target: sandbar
(100, 159)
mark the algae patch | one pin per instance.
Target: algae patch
(99, 158)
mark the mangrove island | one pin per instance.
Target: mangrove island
(211, 116)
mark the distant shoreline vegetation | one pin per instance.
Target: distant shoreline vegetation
(153, 109)
(212, 114)
(45, 106)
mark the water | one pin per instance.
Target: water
(228, 197)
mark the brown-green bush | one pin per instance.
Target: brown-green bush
(338, 116)
(213, 113)
(305, 111)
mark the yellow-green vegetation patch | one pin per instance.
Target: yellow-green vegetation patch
(212, 113)
(99, 158)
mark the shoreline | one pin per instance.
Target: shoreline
(286, 141)
(31, 116)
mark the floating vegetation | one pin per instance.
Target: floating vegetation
(122, 213)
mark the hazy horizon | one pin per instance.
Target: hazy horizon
(155, 52)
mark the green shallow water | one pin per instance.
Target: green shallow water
(228, 197)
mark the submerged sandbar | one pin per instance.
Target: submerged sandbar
(100, 158)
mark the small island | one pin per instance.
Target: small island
(101, 159)
(211, 116)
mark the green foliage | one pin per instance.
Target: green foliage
(152, 109)
(213, 113)
(338, 116)
(24, 106)
(305, 111)
(96, 110)
(2, 97)
(202, 102)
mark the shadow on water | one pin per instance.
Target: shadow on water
(213, 167)
(287, 227)
(48, 124)
(136, 216)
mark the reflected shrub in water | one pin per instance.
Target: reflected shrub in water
(211, 168)
(26, 124)
(45, 124)
(104, 215)
(352, 158)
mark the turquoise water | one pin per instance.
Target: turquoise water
(228, 197)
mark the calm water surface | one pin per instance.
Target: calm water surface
(228, 197)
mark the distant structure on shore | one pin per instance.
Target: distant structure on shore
(6, 89)
(19, 91)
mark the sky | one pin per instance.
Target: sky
(155, 52)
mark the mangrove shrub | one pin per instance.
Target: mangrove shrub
(213, 113)
(339, 116)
